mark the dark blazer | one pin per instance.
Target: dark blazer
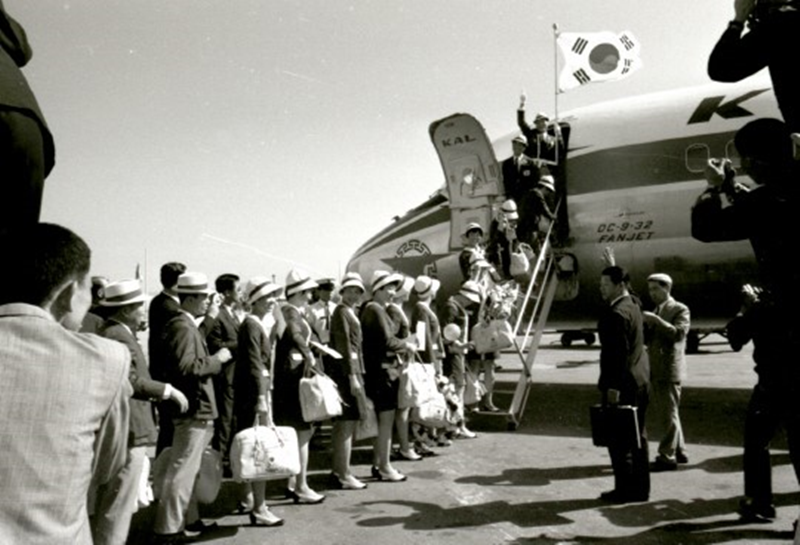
(292, 353)
(189, 367)
(666, 342)
(225, 333)
(252, 375)
(623, 360)
(162, 308)
(142, 427)
(346, 339)
(432, 352)
(519, 180)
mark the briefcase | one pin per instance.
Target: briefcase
(615, 426)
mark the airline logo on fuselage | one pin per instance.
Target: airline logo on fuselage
(456, 140)
(729, 110)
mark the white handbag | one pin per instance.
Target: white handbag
(264, 453)
(319, 398)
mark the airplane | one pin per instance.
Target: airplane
(633, 168)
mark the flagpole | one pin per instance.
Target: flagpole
(555, 68)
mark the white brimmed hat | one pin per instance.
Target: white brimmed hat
(193, 283)
(260, 286)
(548, 181)
(124, 292)
(540, 116)
(406, 285)
(352, 280)
(297, 281)
(472, 291)
(426, 286)
(509, 208)
(520, 139)
(660, 277)
(474, 225)
(381, 279)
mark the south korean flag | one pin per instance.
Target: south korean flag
(591, 57)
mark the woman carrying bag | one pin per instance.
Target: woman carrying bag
(252, 385)
(348, 373)
(293, 361)
(381, 349)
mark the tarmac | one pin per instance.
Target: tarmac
(540, 483)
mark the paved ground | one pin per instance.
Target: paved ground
(540, 484)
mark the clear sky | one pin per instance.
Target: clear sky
(245, 135)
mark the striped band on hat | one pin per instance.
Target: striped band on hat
(124, 292)
(193, 283)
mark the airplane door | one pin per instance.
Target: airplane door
(472, 174)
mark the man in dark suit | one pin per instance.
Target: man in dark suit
(163, 307)
(190, 368)
(519, 171)
(665, 333)
(225, 334)
(624, 380)
(123, 303)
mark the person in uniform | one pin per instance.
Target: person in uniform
(251, 385)
(294, 360)
(348, 373)
(382, 348)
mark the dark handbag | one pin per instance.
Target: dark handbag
(615, 426)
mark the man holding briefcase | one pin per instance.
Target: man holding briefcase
(624, 381)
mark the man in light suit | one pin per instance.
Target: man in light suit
(123, 303)
(665, 335)
(64, 406)
(190, 368)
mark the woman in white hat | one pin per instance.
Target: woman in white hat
(503, 239)
(381, 351)
(402, 329)
(348, 373)
(251, 384)
(293, 361)
(424, 318)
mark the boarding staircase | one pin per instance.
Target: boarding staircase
(535, 305)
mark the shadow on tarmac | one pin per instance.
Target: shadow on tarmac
(429, 516)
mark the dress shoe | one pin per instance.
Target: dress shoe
(443, 441)
(307, 499)
(681, 457)
(184, 536)
(265, 518)
(464, 433)
(661, 464)
(391, 477)
(202, 527)
(749, 511)
(615, 496)
(423, 450)
(349, 483)
(490, 408)
(408, 455)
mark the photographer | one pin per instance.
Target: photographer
(770, 41)
(765, 216)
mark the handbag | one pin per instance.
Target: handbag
(209, 478)
(492, 337)
(417, 384)
(264, 453)
(319, 398)
(518, 264)
(434, 413)
(367, 426)
(615, 426)
(474, 389)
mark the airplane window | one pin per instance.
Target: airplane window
(732, 154)
(697, 156)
